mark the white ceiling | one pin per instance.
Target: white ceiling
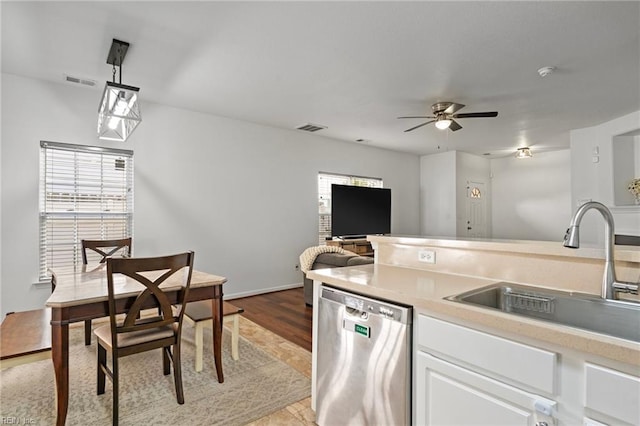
(353, 66)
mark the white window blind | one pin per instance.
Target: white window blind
(85, 193)
(325, 180)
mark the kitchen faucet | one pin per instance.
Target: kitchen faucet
(610, 285)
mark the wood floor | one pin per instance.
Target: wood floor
(282, 312)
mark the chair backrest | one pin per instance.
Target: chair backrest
(151, 272)
(110, 246)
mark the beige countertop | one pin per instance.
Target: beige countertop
(425, 291)
(546, 248)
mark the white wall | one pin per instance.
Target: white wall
(526, 199)
(242, 195)
(443, 182)
(626, 158)
(595, 181)
(532, 197)
(636, 145)
(438, 194)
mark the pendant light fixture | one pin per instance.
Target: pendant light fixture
(119, 110)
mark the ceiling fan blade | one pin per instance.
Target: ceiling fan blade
(418, 116)
(476, 114)
(419, 125)
(454, 126)
(453, 108)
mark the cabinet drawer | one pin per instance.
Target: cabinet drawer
(451, 395)
(612, 393)
(524, 364)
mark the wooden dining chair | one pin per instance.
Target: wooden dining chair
(135, 335)
(200, 316)
(104, 248)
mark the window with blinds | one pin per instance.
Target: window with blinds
(325, 180)
(86, 192)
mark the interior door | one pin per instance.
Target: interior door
(476, 209)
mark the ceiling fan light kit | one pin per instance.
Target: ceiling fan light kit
(444, 114)
(443, 123)
(119, 110)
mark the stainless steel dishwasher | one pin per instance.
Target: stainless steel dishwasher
(363, 362)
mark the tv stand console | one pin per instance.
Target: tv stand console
(358, 246)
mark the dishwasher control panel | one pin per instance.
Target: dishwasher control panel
(363, 306)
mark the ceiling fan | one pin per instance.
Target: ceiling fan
(444, 114)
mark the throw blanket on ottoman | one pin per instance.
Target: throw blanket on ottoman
(309, 255)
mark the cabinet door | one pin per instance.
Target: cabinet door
(612, 393)
(447, 394)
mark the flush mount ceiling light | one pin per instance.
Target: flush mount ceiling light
(523, 153)
(119, 111)
(443, 123)
(545, 71)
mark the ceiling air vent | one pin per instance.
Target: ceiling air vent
(311, 127)
(78, 80)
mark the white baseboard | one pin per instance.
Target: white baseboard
(231, 296)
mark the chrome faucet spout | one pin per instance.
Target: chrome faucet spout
(572, 237)
(610, 285)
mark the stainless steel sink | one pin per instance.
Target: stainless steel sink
(611, 317)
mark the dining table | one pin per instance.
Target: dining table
(80, 293)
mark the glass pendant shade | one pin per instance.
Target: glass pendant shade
(119, 112)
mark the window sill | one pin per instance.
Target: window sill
(42, 284)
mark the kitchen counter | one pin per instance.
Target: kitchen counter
(530, 247)
(398, 277)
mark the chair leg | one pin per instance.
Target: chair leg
(102, 363)
(87, 332)
(235, 332)
(199, 344)
(166, 362)
(115, 382)
(177, 373)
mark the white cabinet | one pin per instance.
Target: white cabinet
(464, 376)
(451, 395)
(528, 366)
(612, 396)
(471, 377)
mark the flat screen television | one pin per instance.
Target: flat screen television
(357, 211)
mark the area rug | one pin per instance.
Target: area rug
(256, 385)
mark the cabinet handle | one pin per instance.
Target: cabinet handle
(542, 423)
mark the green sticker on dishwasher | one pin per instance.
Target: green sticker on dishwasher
(362, 329)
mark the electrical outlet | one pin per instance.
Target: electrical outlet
(427, 256)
